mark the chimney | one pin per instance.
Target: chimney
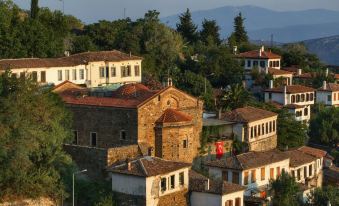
(262, 48)
(271, 84)
(326, 72)
(235, 49)
(66, 53)
(169, 82)
(285, 95)
(130, 54)
(324, 85)
(207, 185)
(299, 72)
(129, 165)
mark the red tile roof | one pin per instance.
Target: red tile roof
(291, 89)
(73, 60)
(172, 115)
(255, 54)
(336, 76)
(313, 151)
(279, 72)
(289, 106)
(330, 87)
(148, 167)
(293, 69)
(247, 114)
(298, 158)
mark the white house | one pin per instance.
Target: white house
(328, 94)
(150, 181)
(91, 68)
(205, 191)
(296, 98)
(257, 127)
(260, 59)
(254, 170)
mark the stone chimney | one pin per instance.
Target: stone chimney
(299, 72)
(324, 85)
(207, 185)
(66, 53)
(235, 50)
(130, 54)
(285, 95)
(271, 84)
(262, 49)
(169, 82)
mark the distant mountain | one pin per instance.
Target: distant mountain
(326, 48)
(261, 23)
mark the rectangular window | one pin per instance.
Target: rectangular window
(66, 74)
(253, 176)
(22, 75)
(81, 74)
(172, 181)
(136, 70)
(246, 178)
(43, 76)
(107, 72)
(123, 71)
(113, 71)
(270, 127)
(248, 63)
(128, 71)
(75, 139)
(225, 176)
(59, 75)
(93, 139)
(262, 173)
(251, 132)
(329, 98)
(298, 174)
(123, 135)
(273, 125)
(278, 171)
(266, 127)
(255, 131)
(235, 177)
(102, 72)
(310, 170)
(255, 63)
(163, 184)
(263, 128)
(259, 130)
(229, 203)
(35, 76)
(262, 64)
(272, 173)
(184, 143)
(270, 96)
(181, 178)
(305, 172)
(74, 74)
(238, 201)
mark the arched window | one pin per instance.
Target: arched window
(311, 97)
(307, 97)
(293, 98)
(298, 97)
(302, 97)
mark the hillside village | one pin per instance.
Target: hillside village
(241, 133)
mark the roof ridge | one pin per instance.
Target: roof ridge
(143, 167)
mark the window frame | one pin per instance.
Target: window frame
(91, 139)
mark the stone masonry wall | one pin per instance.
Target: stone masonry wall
(179, 198)
(264, 144)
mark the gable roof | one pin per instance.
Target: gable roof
(73, 60)
(278, 72)
(247, 114)
(298, 158)
(313, 151)
(148, 167)
(172, 115)
(330, 87)
(291, 89)
(255, 54)
(249, 160)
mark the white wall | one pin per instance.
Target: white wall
(322, 97)
(233, 197)
(204, 199)
(129, 184)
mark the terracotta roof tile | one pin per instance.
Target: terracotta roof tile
(255, 54)
(250, 160)
(149, 166)
(247, 114)
(291, 89)
(313, 151)
(279, 72)
(336, 76)
(298, 158)
(330, 87)
(73, 60)
(172, 115)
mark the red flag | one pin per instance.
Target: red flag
(219, 149)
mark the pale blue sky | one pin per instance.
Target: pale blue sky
(93, 10)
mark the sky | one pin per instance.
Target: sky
(90, 11)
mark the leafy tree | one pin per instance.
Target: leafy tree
(239, 36)
(321, 196)
(34, 8)
(82, 44)
(324, 126)
(234, 97)
(187, 28)
(210, 32)
(34, 124)
(285, 191)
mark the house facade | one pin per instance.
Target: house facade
(168, 121)
(255, 126)
(260, 59)
(296, 98)
(328, 94)
(92, 69)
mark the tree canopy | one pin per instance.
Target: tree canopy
(210, 32)
(239, 36)
(285, 191)
(187, 28)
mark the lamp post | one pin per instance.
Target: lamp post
(75, 173)
(209, 75)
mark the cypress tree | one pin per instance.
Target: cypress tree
(34, 8)
(239, 34)
(187, 28)
(210, 31)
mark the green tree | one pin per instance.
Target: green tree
(210, 32)
(34, 125)
(324, 126)
(34, 8)
(321, 196)
(234, 97)
(285, 191)
(82, 44)
(239, 36)
(187, 28)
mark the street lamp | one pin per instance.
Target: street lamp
(209, 75)
(75, 173)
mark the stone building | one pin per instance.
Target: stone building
(255, 126)
(168, 121)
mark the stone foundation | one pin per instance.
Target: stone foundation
(264, 144)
